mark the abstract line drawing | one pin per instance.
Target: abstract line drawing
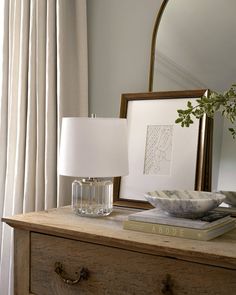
(158, 150)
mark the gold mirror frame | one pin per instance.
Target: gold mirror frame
(153, 44)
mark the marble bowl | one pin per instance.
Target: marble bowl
(187, 204)
(230, 197)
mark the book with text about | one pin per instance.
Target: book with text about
(211, 220)
(178, 231)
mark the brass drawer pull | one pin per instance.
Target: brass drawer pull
(59, 269)
(167, 286)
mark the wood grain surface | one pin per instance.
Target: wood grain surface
(21, 262)
(109, 231)
(115, 271)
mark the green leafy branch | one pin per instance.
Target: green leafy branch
(224, 103)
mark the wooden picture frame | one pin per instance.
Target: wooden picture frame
(181, 156)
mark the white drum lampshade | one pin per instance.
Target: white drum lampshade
(93, 149)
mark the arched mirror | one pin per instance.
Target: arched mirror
(194, 47)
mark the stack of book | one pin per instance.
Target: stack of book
(227, 209)
(158, 222)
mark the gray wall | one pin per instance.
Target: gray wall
(119, 42)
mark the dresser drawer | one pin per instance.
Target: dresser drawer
(117, 271)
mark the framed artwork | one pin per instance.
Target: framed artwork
(162, 154)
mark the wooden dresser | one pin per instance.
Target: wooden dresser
(55, 249)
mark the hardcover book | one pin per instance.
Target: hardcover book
(211, 220)
(226, 209)
(178, 231)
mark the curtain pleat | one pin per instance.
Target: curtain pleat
(4, 105)
(12, 105)
(19, 169)
(12, 117)
(44, 79)
(41, 14)
(51, 109)
(30, 115)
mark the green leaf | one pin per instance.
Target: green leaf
(179, 120)
(225, 103)
(189, 104)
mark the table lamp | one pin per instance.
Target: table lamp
(94, 150)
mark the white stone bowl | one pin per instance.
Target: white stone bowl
(187, 204)
(230, 197)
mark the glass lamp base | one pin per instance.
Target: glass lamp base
(92, 197)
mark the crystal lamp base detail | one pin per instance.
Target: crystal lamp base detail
(92, 197)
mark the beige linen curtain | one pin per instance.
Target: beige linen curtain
(44, 79)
